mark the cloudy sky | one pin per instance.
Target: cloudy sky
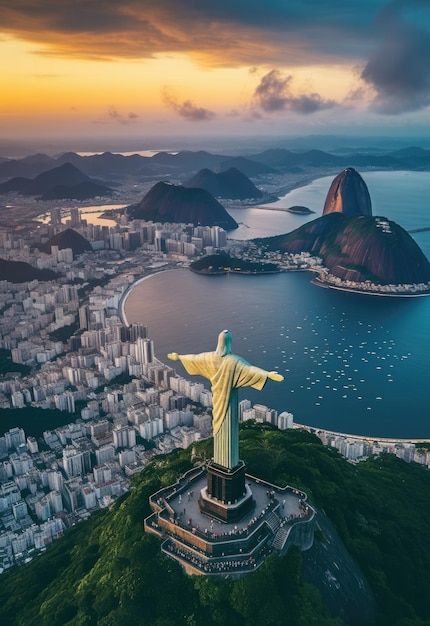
(160, 67)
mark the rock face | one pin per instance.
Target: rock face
(231, 184)
(173, 203)
(348, 194)
(359, 248)
(65, 181)
(68, 238)
(20, 272)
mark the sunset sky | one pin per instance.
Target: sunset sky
(160, 67)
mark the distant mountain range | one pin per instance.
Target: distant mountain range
(21, 272)
(231, 184)
(173, 203)
(65, 181)
(68, 238)
(188, 162)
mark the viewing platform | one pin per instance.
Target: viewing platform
(277, 518)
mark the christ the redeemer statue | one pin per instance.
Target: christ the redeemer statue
(226, 373)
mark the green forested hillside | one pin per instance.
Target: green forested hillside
(107, 571)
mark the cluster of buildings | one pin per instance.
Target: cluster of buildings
(184, 240)
(358, 448)
(110, 243)
(287, 261)
(121, 404)
(408, 289)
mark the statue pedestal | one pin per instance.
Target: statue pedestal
(226, 496)
(207, 536)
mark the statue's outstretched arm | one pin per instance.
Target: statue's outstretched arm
(275, 376)
(194, 364)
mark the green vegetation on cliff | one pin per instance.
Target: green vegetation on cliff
(7, 365)
(107, 571)
(21, 272)
(223, 263)
(35, 420)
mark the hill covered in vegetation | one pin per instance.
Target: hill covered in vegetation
(21, 272)
(107, 571)
(63, 182)
(231, 183)
(165, 202)
(223, 263)
(34, 420)
(68, 238)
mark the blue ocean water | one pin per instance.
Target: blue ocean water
(353, 363)
(401, 196)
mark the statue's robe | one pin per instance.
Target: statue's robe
(226, 374)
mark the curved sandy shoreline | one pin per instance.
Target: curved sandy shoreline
(127, 292)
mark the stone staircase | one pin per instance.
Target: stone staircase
(273, 521)
(280, 537)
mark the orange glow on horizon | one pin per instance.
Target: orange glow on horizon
(49, 89)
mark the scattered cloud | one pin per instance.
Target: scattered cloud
(187, 109)
(356, 95)
(274, 94)
(398, 70)
(233, 113)
(114, 115)
(129, 118)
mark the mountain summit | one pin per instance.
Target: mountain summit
(348, 194)
(231, 184)
(68, 238)
(62, 182)
(165, 202)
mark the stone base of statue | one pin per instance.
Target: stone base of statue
(211, 535)
(226, 495)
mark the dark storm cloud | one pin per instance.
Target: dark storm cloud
(187, 109)
(215, 31)
(273, 94)
(399, 67)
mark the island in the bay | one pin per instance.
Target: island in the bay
(223, 263)
(300, 210)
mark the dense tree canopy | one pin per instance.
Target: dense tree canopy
(107, 571)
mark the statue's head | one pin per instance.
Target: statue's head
(224, 343)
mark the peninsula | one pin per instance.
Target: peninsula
(223, 263)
